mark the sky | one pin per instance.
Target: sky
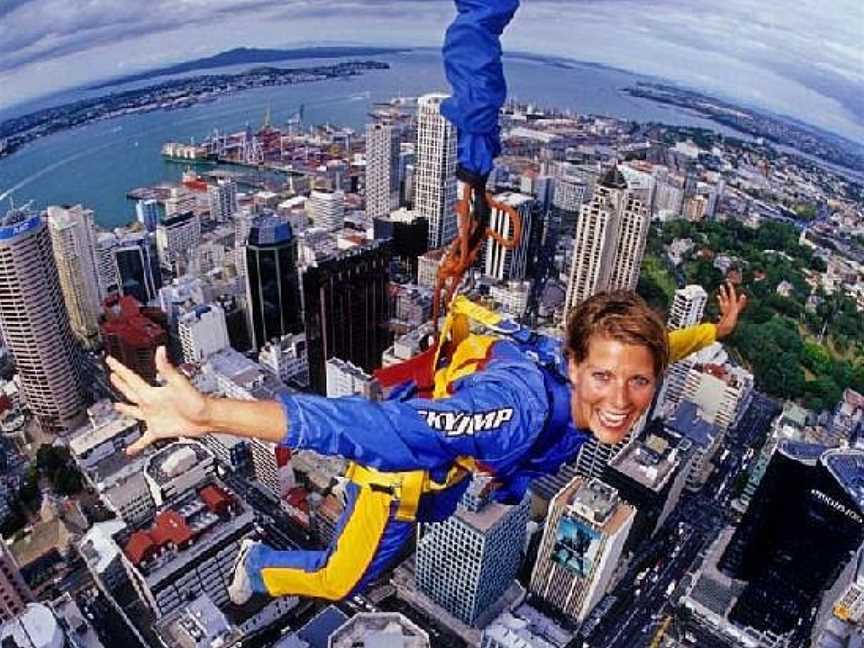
(804, 59)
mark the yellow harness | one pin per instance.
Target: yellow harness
(470, 350)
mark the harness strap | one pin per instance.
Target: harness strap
(407, 487)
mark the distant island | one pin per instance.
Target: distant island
(247, 55)
(781, 130)
(168, 95)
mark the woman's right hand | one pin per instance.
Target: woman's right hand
(174, 409)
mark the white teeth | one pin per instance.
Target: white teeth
(611, 420)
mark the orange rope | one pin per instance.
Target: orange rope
(466, 246)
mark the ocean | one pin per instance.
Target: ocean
(97, 164)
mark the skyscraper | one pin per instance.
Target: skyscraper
(272, 283)
(586, 528)
(434, 182)
(35, 325)
(147, 213)
(326, 208)
(501, 263)
(688, 306)
(73, 239)
(630, 247)
(202, 331)
(109, 279)
(382, 170)
(610, 241)
(177, 237)
(222, 198)
(804, 523)
(137, 264)
(347, 309)
(468, 561)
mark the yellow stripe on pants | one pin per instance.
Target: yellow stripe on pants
(348, 561)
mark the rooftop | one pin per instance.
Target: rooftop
(198, 624)
(317, 632)
(182, 526)
(688, 422)
(89, 437)
(98, 546)
(595, 501)
(800, 451)
(176, 459)
(36, 626)
(379, 630)
(847, 467)
(649, 462)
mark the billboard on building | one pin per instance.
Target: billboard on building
(577, 546)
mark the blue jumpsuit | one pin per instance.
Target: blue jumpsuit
(513, 417)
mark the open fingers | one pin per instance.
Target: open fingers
(144, 441)
(129, 377)
(124, 388)
(166, 370)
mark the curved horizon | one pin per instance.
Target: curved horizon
(805, 63)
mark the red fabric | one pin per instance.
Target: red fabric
(419, 369)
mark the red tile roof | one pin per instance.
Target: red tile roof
(140, 547)
(215, 498)
(170, 527)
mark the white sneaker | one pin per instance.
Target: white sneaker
(240, 589)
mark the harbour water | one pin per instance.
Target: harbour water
(97, 164)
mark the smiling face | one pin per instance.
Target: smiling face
(611, 387)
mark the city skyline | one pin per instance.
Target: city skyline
(282, 260)
(804, 63)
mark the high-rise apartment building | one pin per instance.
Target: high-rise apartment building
(500, 263)
(434, 168)
(347, 308)
(586, 529)
(73, 239)
(649, 474)
(382, 170)
(202, 331)
(137, 265)
(468, 561)
(14, 593)
(610, 241)
(180, 201)
(688, 307)
(630, 247)
(147, 213)
(272, 282)
(35, 324)
(345, 379)
(177, 238)
(222, 198)
(109, 279)
(568, 194)
(326, 208)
